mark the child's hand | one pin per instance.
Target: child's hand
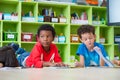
(1, 65)
(117, 62)
(51, 64)
(48, 64)
(60, 64)
(52, 61)
(78, 64)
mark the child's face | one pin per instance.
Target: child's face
(1, 65)
(88, 39)
(45, 38)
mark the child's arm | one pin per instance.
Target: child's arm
(80, 63)
(34, 59)
(48, 64)
(102, 62)
(117, 62)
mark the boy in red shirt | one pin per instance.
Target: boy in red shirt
(44, 53)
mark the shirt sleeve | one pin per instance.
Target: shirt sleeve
(80, 50)
(34, 58)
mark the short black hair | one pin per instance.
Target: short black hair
(85, 29)
(46, 27)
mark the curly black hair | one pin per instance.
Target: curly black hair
(85, 29)
(46, 27)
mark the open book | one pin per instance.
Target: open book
(108, 62)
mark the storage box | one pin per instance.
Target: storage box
(28, 19)
(40, 18)
(47, 19)
(14, 18)
(102, 40)
(117, 39)
(62, 20)
(10, 36)
(53, 19)
(74, 38)
(7, 16)
(26, 36)
(78, 21)
(96, 22)
(61, 39)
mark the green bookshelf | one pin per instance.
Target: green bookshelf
(68, 48)
(99, 14)
(27, 7)
(0, 33)
(116, 46)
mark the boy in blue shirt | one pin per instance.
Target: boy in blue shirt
(88, 56)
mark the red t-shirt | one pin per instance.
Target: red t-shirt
(38, 55)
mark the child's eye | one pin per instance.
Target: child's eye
(41, 36)
(90, 38)
(48, 36)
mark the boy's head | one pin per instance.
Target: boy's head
(46, 27)
(87, 34)
(85, 29)
(46, 34)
